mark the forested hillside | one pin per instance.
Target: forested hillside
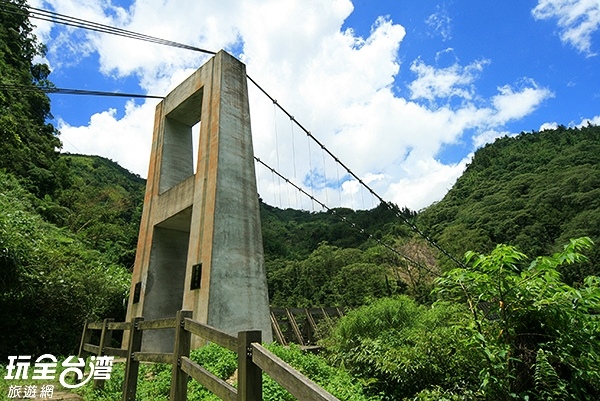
(67, 224)
(102, 203)
(536, 191)
(50, 280)
(28, 142)
(342, 258)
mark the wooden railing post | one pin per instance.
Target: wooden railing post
(105, 338)
(86, 337)
(249, 375)
(131, 365)
(181, 348)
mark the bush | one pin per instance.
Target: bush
(399, 348)
(537, 334)
(50, 282)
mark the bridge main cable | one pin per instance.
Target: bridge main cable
(51, 16)
(389, 205)
(344, 219)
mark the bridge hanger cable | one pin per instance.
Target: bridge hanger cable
(325, 175)
(277, 153)
(85, 24)
(389, 205)
(294, 156)
(343, 218)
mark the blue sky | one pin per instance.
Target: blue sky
(403, 92)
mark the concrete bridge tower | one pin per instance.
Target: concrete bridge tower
(200, 245)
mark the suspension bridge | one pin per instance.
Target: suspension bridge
(199, 256)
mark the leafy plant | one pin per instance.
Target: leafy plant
(538, 334)
(398, 348)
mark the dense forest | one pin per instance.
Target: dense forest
(504, 323)
(68, 224)
(534, 190)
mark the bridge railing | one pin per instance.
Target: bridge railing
(253, 359)
(302, 325)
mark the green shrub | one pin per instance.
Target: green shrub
(50, 282)
(398, 348)
(537, 334)
(337, 381)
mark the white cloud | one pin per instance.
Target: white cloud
(578, 20)
(583, 123)
(441, 23)
(126, 140)
(513, 105)
(488, 136)
(431, 184)
(453, 81)
(548, 126)
(337, 84)
(592, 121)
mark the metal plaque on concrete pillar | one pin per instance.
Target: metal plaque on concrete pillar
(200, 244)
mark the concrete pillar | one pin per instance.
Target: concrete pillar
(200, 245)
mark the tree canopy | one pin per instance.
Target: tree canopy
(29, 143)
(535, 191)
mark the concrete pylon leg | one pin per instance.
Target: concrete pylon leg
(200, 244)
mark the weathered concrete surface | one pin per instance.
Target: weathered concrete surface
(210, 218)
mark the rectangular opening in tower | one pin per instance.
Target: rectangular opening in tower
(179, 143)
(166, 276)
(195, 143)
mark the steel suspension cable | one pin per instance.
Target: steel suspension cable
(51, 16)
(343, 218)
(66, 91)
(389, 205)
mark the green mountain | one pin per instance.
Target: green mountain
(341, 257)
(102, 203)
(68, 224)
(535, 191)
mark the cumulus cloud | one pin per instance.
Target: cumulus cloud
(583, 123)
(453, 81)
(578, 20)
(126, 140)
(431, 184)
(336, 83)
(488, 136)
(513, 105)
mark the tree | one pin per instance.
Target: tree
(27, 143)
(538, 334)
